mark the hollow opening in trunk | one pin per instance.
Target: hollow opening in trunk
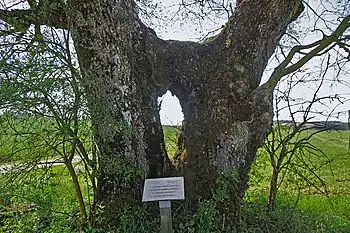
(171, 117)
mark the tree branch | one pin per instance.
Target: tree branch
(317, 49)
(52, 15)
(252, 33)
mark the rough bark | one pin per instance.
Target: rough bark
(226, 114)
(111, 44)
(126, 67)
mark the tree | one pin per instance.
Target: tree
(289, 144)
(125, 67)
(44, 112)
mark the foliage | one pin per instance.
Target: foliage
(171, 135)
(43, 112)
(309, 216)
(42, 202)
(134, 220)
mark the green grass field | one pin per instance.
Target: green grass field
(31, 139)
(312, 210)
(300, 208)
(51, 194)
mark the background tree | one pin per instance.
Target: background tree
(289, 144)
(44, 118)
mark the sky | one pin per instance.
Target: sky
(171, 113)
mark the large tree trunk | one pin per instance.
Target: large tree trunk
(122, 96)
(227, 115)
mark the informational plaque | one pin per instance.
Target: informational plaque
(161, 189)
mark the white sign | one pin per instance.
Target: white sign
(161, 189)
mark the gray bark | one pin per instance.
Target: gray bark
(226, 114)
(125, 67)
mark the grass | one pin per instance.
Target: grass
(171, 134)
(56, 208)
(310, 214)
(311, 211)
(31, 139)
(333, 166)
(335, 145)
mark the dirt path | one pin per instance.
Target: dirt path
(8, 168)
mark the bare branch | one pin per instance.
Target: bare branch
(317, 48)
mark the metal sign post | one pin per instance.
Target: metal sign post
(166, 223)
(164, 190)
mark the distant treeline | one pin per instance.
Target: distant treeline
(321, 125)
